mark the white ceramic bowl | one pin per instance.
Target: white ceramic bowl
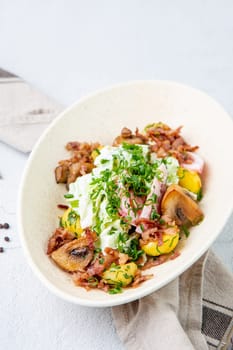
(100, 117)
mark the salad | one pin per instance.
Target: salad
(127, 206)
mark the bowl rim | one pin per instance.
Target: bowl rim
(126, 298)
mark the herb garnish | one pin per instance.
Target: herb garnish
(115, 290)
(199, 195)
(72, 217)
(68, 195)
(185, 230)
(92, 281)
(128, 178)
(129, 245)
(103, 161)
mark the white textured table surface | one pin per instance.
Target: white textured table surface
(69, 48)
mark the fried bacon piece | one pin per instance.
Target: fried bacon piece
(155, 261)
(81, 162)
(163, 140)
(103, 262)
(60, 237)
(139, 278)
(167, 141)
(83, 279)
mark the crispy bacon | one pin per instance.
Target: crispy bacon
(139, 279)
(154, 262)
(174, 255)
(60, 237)
(123, 258)
(91, 237)
(79, 164)
(149, 232)
(83, 279)
(152, 234)
(103, 261)
(168, 142)
(142, 220)
(63, 206)
(96, 268)
(103, 286)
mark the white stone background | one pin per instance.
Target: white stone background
(70, 48)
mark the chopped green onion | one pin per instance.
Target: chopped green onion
(199, 195)
(185, 230)
(115, 290)
(68, 195)
(103, 161)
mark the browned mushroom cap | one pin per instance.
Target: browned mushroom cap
(74, 172)
(127, 137)
(61, 173)
(73, 256)
(177, 204)
(130, 140)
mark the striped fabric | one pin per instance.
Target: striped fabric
(217, 320)
(217, 305)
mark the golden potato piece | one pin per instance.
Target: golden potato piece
(120, 274)
(190, 180)
(169, 243)
(71, 221)
(96, 152)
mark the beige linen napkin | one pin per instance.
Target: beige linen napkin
(195, 311)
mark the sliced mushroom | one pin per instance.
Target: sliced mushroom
(133, 140)
(126, 133)
(127, 137)
(61, 174)
(73, 256)
(178, 205)
(74, 172)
